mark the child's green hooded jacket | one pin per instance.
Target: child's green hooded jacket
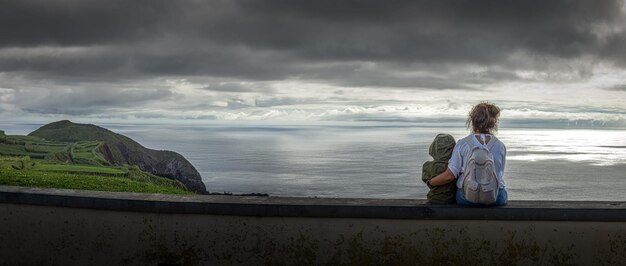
(441, 151)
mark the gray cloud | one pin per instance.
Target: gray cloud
(621, 87)
(236, 103)
(80, 101)
(84, 55)
(280, 101)
(218, 37)
(223, 85)
(228, 87)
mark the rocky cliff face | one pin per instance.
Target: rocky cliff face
(119, 149)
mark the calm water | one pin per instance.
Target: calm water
(381, 161)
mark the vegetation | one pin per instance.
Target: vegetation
(88, 144)
(87, 169)
(34, 178)
(34, 161)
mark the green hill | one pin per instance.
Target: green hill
(94, 145)
(32, 161)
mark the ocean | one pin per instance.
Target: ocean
(379, 160)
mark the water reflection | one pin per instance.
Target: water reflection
(595, 147)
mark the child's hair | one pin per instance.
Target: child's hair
(483, 118)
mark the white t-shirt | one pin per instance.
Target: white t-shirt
(462, 152)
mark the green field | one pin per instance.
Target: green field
(87, 169)
(34, 162)
(87, 152)
(34, 178)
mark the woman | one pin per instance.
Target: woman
(483, 122)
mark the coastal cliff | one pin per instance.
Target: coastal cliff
(118, 150)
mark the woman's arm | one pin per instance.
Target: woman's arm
(443, 178)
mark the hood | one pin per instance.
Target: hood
(441, 148)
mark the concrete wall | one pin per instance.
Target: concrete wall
(54, 227)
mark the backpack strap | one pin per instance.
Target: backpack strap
(492, 142)
(470, 142)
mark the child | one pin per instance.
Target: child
(441, 151)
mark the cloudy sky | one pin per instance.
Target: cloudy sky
(303, 60)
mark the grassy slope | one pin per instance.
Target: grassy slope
(66, 131)
(34, 178)
(119, 149)
(72, 168)
(31, 161)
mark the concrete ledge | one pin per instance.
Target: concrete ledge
(311, 207)
(71, 227)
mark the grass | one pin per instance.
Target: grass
(135, 173)
(20, 140)
(86, 152)
(81, 152)
(22, 171)
(23, 162)
(42, 147)
(18, 150)
(34, 178)
(36, 162)
(86, 169)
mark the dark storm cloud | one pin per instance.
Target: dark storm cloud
(221, 38)
(616, 48)
(233, 86)
(404, 76)
(77, 22)
(80, 101)
(228, 87)
(142, 60)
